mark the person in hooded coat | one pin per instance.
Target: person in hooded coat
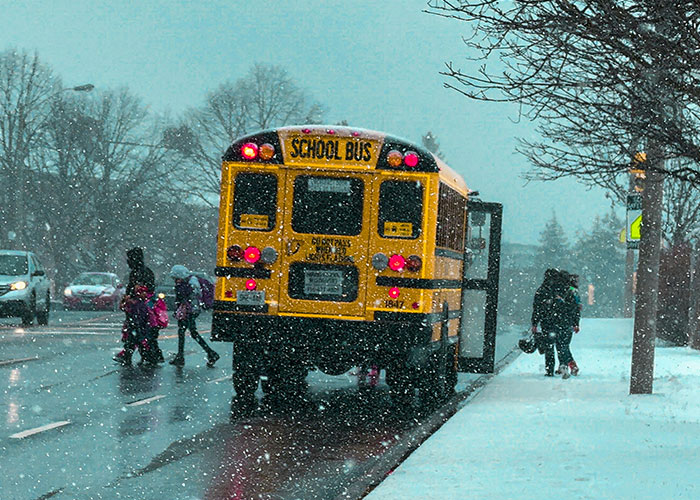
(139, 276)
(554, 308)
(187, 302)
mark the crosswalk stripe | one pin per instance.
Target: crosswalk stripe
(145, 401)
(37, 430)
(18, 360)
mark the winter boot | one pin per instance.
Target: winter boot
(123, 357)
(565, 371)
(574, 368)
(373, 376)
(178, 360)
(213, 358)
(559, 370)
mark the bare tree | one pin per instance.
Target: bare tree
(25, 87)
(266, 97)
(100, 175)
(602, 78)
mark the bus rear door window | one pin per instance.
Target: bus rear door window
(327, 205)
(400, 209)
(254, 201)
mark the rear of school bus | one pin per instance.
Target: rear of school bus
(326, 254)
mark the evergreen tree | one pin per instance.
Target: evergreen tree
(431, 143)
(600, 262)
(554, 249)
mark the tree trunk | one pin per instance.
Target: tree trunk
(642, 373)
(629, 285)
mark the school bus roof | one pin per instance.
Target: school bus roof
(340, 146)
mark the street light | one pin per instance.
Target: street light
(82, 88)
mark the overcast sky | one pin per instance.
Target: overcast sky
(374, 64)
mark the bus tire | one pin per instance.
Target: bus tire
(246, 372)
(434, 386)
(401, 386)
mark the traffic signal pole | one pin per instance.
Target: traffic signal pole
(642, 372)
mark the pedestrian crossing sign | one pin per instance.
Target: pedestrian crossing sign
(634, 221)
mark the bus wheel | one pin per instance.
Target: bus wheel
(435, 376)
(245, 378)
(401, 387)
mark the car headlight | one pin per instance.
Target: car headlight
(67, 292)
(18, 285)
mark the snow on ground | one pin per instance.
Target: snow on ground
(527, 436)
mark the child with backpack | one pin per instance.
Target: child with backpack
(188, 301)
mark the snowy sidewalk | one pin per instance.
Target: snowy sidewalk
(527, 436)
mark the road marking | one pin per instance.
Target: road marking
(216, 380)
(145, 401)
(18, 360)
(37, 430)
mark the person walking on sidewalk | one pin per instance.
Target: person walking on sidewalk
(554, 308)
(188, 294)
(572, 280)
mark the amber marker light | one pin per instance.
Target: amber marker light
(394, 158)
(251, 284)
(394, 292)
(267, 151)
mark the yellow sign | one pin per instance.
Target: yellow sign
(329, 150)
(636, 228)
(398, 229)
(252, 221)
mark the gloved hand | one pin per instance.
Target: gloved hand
(576, 329)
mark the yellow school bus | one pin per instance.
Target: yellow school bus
(340, 247)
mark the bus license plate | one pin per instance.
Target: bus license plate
(323, 282)
(250, 298)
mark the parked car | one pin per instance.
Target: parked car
(94, 290)
(166, 288)
(24, 287)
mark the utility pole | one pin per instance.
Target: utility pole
(628, 310)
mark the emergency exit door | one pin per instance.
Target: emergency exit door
(482, 253)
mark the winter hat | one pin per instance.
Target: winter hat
(179, 272)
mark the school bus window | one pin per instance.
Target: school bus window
(451, 210)
(400, 209)
(327, 205)
(254, 201)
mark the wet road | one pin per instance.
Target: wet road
(77, 426)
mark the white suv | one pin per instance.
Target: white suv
(24, 287)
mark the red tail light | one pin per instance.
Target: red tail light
(394, 292)
(249, 151)
(251, 284)
(410, 159)
(235, 253)
(414, 263)
(252, 255)
(397, 262)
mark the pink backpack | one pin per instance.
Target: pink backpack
(157, 313)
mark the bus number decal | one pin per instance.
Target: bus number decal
(393, 304)
(253, 221)
(400, 229)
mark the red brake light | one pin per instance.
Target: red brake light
(251, 284)
(397, 262)
(234, 253)
(410, 159)
(249, 151)
(414, 263)
(394, 292)
(252, 255)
